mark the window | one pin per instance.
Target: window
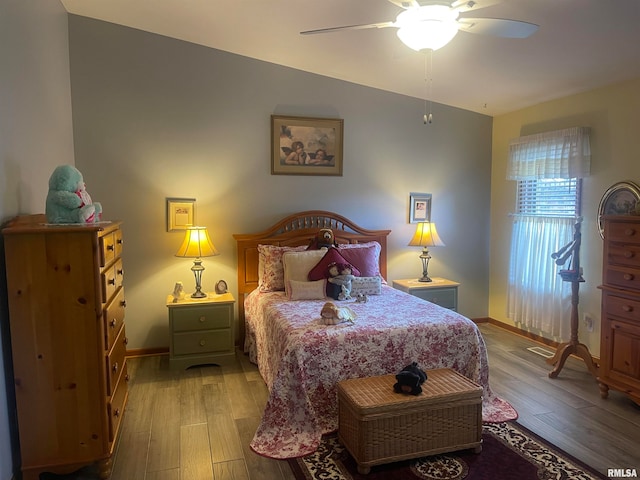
(548, 169)
(555, 197)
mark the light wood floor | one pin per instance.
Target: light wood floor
(197, 424)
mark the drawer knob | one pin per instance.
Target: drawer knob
(120, 271)
(125, 341)
(629, 232)
(202, 319)
(116, 413)
(628, 276)
(202, 342)
(115, 367)
(123, 303)
(113, 323)
(628, 254)
(111, 248)
(111, 281)
(627, 308)
(119, 241)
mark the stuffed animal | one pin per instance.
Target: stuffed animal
(324, 238)
(68, 200)
(410, 379)
(333, 315)
(341, 277)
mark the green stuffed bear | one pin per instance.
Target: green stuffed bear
(68, 200)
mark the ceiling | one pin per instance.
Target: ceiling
(580, 45)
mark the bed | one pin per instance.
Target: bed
(302, 359)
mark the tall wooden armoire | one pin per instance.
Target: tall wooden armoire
(68, 342)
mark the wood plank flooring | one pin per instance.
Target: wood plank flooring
(197, 424)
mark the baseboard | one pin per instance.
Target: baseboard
(523, 333)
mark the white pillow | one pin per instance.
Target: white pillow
(314, 290)
(297, 265)
(366, 286)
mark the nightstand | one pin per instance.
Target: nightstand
(201, 330)
(440, 291)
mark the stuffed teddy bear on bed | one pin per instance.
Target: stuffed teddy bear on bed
(410, 379)
(323, 239)
(68, 200)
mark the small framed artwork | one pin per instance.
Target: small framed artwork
(221, 287)
(622, 198)
(181, 213)
(306, 146)
(419, 207)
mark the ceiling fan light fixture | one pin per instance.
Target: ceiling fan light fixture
(428, 27)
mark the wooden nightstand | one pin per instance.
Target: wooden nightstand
(201, 330)
(440, 291)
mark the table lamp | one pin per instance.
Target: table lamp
(426, 236)
(197, 244)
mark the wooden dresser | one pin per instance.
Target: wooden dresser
(620, 338)
(66, 315)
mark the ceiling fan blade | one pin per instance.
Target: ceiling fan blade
(406, 3)
(349, 27)
(497, 27)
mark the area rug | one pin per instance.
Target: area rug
(509, 451)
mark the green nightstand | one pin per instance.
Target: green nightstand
(201, 330)
(440, 291)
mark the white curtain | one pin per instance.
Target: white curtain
(537, 298)
(559, 154)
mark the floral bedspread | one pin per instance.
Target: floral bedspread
(302, 360)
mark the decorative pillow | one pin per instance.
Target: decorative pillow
(298, 264)
(364, 256)
(270, 270)
(307, 290)
(366, 286)
(332, 256)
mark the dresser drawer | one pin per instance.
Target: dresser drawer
(445, 297)
(116, 404)
(107, 249)
(623, 232)
(109, 285)
(205, 317)
(115, 361)
(626, 278)
(113, 318)
(627, 254)
(622, 307)
(202, 342)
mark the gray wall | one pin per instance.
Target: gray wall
(35, 136)
(155, 117)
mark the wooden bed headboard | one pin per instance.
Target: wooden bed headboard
(294, 230)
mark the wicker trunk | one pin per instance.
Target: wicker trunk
(378, 426)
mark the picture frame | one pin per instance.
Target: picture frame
(419, 207)
(181, 213)
(221, 287)
(321, 142)
(622, 198)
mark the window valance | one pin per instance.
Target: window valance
(558, 154)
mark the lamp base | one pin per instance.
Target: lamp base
(198, 294)
(425, 279)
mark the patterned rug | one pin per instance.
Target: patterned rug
(509, 451)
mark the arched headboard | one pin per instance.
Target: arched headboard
(298, 229)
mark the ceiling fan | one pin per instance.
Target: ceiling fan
(431, 24)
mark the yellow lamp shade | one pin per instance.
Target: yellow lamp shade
(426, 236)
(196, 244)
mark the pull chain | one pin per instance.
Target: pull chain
(428, 116)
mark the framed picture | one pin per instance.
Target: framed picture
(419, 207)
(181, 213)
(621, 198)
(306, 146)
